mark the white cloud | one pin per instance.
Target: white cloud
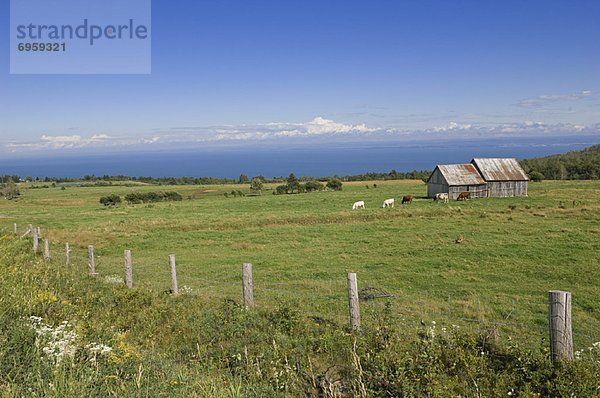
(548, 99)
(100, 137)
(318, 129)
(453, 126)
(61, 138)
(320, 125)
(60, 142)
(151, 140)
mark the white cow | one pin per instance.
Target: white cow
(358, 205)
(441, 196)
(388, 203)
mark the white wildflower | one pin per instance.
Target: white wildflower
(56, 342)
(113, 279)
(185, 290)
(98, 349)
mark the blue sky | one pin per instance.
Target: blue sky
(290, 72)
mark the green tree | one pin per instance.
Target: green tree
(292, 182)
(10, 190)
(243, 179)
(257, 184)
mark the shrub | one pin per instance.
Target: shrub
(335, 184)
(110, 200)
(152, 197)
(313, 185)
(536, 176)
(281, 189)
(173, 196)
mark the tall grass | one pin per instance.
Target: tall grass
(158, 345)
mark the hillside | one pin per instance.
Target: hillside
(465, 310)
(68, 335)
(574, 165)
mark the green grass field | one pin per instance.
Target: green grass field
(511, 250)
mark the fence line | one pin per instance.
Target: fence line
(559, 303)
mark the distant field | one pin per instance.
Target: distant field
(511, 250)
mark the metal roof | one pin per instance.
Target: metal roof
(494, 169)
(461, 174)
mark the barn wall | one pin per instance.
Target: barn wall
(433, 189)
(436, 184)
(503, 189)
(477, 191)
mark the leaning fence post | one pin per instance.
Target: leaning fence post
(46, 250)
(561, 334)
(128, 269)
(247, 288)
(91, 261)
(174, 288)
(36, 240)
(353, 301)
(68, 255)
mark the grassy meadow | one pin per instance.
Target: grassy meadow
(510, 251)
(467, 316)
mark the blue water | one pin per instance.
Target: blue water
(270, 162)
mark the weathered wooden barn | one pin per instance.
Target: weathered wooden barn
(504, 177)
(483, 178)
(456, 178)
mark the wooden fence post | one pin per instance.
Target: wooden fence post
(46, 250)
(36, 240)
(174, 288)
(29, 231)
(247, 288)
(68, 255)
(353, 301)
(91, 261)
(15, 229)
(559, 317)
(128, 269)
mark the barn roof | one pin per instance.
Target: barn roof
(494, 169)
(460, 174)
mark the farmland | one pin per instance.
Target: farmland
(478, 262)
(513, 250)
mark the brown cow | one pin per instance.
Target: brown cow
(464, 196)
(407, 199)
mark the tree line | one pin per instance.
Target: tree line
(574, 165)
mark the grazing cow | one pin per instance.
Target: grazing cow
(441, 196)
(358, 205)
(407, 199)
(464, 196)
(388, 203)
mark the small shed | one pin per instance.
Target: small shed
(454, 179)
(504, 177)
